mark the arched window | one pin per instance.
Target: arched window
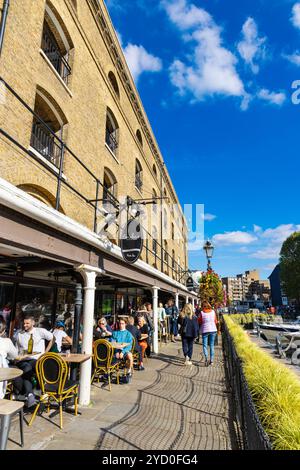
(173, 259)
(165, 220)
(43, 134)
(166, 257)
(173, 231)
(154, 170)
(56, 43)
(138, 175)
(154, 195)
(139, 137)
(109, 188)
(114, 83)
(112, 132)
(154, 240)
(42, 194)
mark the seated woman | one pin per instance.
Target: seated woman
(124, 336)
(143, 327)
(103, 330)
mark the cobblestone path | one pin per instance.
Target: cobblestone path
(185, 408)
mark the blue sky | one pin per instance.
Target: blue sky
(215, 78)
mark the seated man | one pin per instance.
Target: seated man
(124, 336)
(137, 335)
(38, 335)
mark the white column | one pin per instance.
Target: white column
(177, 300)
(155, 319)
(187, 299)
(89, 277)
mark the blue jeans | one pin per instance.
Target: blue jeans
(210, 339)
(187, 346)
(173, 326)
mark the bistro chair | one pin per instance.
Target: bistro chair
(135, 354)
(52, 374)
(104, 361)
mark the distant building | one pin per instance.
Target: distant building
(277, 294)
(247, 287)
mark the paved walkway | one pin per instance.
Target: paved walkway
(167, 407)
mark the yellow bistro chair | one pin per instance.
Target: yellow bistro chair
(52, 374)
(104, 361)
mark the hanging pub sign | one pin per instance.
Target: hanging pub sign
(132, 241)
(190, 285)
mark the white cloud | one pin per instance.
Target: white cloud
(256, 228)
(293, 58)
(295, 19)
(208, 217)
(186, 16)
(276, 98)
(280, 233)
(251, 47)
(234, 238)
(271, 241)
(139, 60)
(196, 244)
(211, 69)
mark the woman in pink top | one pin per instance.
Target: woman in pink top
(208, 328)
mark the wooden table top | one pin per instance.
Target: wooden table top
(76, 358)
(8, 407)
(116, 345)
(23, 357)
(7, 373)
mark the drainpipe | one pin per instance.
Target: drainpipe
(3, 22)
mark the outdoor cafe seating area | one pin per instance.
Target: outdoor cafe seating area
(56, 377)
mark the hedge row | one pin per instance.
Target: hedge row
(275, 390)
(248, 318)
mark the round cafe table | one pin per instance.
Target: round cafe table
(7, 373)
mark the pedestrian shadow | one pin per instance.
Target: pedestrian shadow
(146, 426)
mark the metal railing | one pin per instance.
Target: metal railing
(52, 51)
(111, 140)
(50, 146)
(44, 142)
(251, 432)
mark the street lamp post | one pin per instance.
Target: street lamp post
(209, 250)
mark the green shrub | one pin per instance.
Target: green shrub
(248, 318)
(275, 390)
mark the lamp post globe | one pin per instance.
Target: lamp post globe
(209, 251)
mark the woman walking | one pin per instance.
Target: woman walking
(208, 322)
(189, 331)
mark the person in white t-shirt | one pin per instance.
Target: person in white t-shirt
(39, 336)
(61, 336)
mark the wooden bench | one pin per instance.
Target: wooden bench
(8, 409)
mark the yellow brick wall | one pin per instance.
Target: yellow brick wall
(84, 104)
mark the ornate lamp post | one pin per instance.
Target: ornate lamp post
(209, 250)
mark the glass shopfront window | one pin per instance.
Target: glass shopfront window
(123, 302)
(36, 301)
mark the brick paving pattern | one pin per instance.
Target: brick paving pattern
(169, 406)
(185, 408)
